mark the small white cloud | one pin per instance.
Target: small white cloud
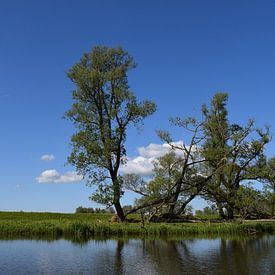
(52, 176)
(154, 150)
(69, 177)
(47, 157)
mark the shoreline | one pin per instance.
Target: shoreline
(28, 224)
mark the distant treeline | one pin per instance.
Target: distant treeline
(81, 209)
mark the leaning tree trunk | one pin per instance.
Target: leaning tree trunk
(119, 211)
(116, 201)
(174, 198)
(184, 204)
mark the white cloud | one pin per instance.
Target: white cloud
(52, 176)
(70, 177)
(144, 163)
(47, 157)
(154, 150)
(140, 165)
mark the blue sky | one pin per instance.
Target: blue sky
(185, 50)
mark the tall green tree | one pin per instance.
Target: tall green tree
(234, 152)
(216, 127)
(103, 109)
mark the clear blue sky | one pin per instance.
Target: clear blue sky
(185, 50)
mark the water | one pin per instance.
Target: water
(139, 256)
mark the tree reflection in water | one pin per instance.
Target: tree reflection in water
(196, 256)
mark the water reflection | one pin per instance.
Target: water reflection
(140, 256)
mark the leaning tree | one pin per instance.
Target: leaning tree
(103, 109)
(177, 176)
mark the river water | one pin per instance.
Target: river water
(255, 255)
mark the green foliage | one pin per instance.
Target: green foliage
(251, 203)
(269, 181)
(167, 172)
(127, 208)
(235, 154)
(216, 161)
(103, 109)
(177, 175)
(208, 213)
(170, 171)
(216, 129)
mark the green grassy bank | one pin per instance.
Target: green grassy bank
(24, 224)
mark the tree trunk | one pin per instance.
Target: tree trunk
(117, 204)
(172, 208)
(184, 204)
(119, 211)
(182, 208)
(175, 198)
(221, 212)
(230, 213)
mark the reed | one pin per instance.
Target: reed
(96, 225)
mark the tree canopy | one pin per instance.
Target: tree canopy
(215, 161)
(235, 154)
(103, 108)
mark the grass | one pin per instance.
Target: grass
(55, 225)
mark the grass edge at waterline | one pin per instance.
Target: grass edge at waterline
(88, 226)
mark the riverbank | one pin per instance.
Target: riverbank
(27, 224)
